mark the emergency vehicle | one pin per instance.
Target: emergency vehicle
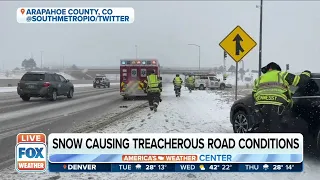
(133, 74)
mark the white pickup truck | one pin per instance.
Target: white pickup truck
(203, 82)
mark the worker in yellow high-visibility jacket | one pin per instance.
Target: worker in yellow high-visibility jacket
(272, 96)
(153, 90)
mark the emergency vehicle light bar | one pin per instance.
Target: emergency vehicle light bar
(138, 62)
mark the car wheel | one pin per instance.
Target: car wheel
(94, 86)
(25, 98)
(108, 85)
(53, 95)
(222, 86)
(318, 139)
(70, 93)
(240, 122)
(104, 86)
(201, 87)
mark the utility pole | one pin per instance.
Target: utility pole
(260, 38)
(63, 62)
(199, 48)
(224, 62)
(199, 57)
(136, 46)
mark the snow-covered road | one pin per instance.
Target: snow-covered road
(14, 88)
(199, 111)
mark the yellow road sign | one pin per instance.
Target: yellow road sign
(237, 44)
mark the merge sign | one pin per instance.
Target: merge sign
(237, 44)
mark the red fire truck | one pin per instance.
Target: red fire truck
(133, 73)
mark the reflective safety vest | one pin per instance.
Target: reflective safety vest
(177, 81)
(153, 83)
(272, 88)
(190, 80)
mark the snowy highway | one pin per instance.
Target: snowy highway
(199, 111)
(63, 115)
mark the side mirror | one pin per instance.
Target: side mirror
(218, 80)
(67, 80)
(160, 78)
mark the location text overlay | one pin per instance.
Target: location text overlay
(119, 15)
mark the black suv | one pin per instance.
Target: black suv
(45, 85)
(304, 117)
(101, 81)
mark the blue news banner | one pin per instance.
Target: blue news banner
(175, 167)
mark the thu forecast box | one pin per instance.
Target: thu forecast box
(31, 152)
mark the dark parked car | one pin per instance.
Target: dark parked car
(45, 85)
(101, 81)
(304, 117)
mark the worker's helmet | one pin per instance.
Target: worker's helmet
(177, 75)
(273, 66)
(264, 69)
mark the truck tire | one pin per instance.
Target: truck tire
(70, 93)
(25, 98)
(317, 138)
(53, 95)
(201, 87)
(222, 86)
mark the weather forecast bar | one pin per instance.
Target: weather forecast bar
(175, 167)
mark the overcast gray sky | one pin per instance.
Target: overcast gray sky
(162, 30)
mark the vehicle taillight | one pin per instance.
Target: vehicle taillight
(46, 84)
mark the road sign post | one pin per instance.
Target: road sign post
(237, 44)
(236, 90)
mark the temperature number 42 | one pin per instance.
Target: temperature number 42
(213, 167)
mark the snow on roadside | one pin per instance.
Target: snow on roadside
(14, 88)
(20, 74)
(67, 76)
(198, 111)
(192, 112)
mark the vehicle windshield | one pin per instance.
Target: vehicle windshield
(98, 78)
(311, 89)
(33, 77)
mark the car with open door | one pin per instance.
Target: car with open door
(304, 117)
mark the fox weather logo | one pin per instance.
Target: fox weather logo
(31, 156)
